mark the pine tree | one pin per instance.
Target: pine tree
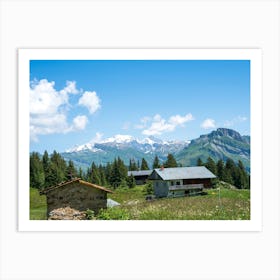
(81, 174)
(118, 173)
(171, 161)
(242, 177)
(144, 165)
(156, 163)
(58, 167)
(71, 171)
(37, 175)
(199, 162)
(211, 165)
(229, 172)
(220, 169)
(46, 161)
(103, 180)
(93, 174)
(132, 165)
(131, 181)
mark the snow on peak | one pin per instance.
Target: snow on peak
(122, 139)
(119, 138)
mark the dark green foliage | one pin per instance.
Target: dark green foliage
(93, 175)
(118, 173)
(211, 165)
(149, 188)
(89, 214)
(199, 162)
(132, 165)
(171, 161)
(71, 171)
(81, 174)
(220, 169)
(58, 168)
(156, 163)
(131, 181)
(37, 175)
(144, 165)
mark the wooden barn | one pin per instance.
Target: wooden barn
(76, 194)
(140, 176)
(180, 181)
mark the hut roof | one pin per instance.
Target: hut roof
(79, 180)
(140, 173)
(177, 173)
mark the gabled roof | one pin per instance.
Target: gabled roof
(140, 173)
(177, 173)
(79, 180)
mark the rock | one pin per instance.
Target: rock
(66, 213)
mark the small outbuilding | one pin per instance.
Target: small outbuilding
(180, 181)
(140, 176)
(76, 194)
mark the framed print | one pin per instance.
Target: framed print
(140, 139)
(93, 81)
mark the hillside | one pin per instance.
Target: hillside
(124, 146)
(220, 144)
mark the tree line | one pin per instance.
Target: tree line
(49, 170)
(229, 171)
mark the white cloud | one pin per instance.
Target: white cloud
(159, 125)
(91, 101)
(98, 137)
(208, 123)
(48, 109)
(79, 123)
(44, 99)
(143, 123)
(71, 87)
(180, 120)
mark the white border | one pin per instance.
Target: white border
(254, 55)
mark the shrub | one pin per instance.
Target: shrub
(114, 213)
(89, 214)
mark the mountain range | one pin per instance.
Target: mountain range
(222, 143)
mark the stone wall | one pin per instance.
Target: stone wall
(77, 196)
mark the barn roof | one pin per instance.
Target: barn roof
(140, 173)
(79, 180)
(177, 173)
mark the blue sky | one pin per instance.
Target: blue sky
(73, 102)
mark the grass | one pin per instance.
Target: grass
(233, 204)
(38, 205)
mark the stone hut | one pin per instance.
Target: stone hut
(76, 194)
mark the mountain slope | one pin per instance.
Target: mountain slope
(220, 144)
(124, 146)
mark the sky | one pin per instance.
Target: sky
(73, 102)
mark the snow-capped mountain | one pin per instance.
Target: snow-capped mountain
(123, 141)
(219, 144)
(127, 147)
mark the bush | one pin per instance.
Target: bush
(89, 214)
(149, 189)
(114, 213)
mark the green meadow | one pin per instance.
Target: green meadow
(218, 204)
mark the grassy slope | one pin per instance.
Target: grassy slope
(38, 205)
(234, 205)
